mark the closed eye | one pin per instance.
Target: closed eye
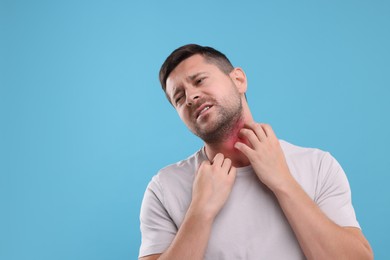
(177, 100)
(199, 81)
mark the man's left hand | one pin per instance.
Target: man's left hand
(265, 154)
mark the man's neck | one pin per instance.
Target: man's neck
(226, 147)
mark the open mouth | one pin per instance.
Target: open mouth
(202, 110)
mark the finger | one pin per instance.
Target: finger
(218, 159)
(251, 136)
(232, 173)
(268, 130)
(261, 134)
(258, 130)
(226, 165)
(246, 150)
(202, 165)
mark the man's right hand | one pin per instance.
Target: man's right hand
(212, 186)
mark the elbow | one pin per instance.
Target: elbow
(369, 253)
(365, 252)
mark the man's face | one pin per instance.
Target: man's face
(207, 100)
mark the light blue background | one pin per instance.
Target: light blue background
(84, 125)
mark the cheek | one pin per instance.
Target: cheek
(184, 115)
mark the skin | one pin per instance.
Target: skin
(191, 85)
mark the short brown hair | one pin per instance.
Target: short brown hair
(211, 55)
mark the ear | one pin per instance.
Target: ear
(239, 78)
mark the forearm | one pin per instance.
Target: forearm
(318, 236)
(192, 238)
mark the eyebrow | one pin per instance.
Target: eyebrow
(192, 77)
(177, 89)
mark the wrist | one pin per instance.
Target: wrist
(285, 187)
(201, 213)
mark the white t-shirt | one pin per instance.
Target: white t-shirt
(251, 225)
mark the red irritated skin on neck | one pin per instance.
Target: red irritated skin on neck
(236, 137)
(227, 147)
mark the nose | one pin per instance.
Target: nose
(192, 97)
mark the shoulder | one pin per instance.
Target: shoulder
(296, 151)
(308, 165)
(307, 156)
(170, 189)
(178, 173)
(183, 167)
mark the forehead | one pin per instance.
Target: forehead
(188, 68)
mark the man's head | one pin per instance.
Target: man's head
(206, 91)
(210, 55)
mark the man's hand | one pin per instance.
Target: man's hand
(212, 186)
(265, 155)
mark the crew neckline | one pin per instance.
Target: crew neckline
(240, 170)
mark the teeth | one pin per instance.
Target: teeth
(204, 109)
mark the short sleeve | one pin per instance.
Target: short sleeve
(157, 228)
(333, 194)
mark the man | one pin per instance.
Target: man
(245, 194)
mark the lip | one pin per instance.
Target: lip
(199, 110)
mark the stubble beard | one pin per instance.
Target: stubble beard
(223, 126)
